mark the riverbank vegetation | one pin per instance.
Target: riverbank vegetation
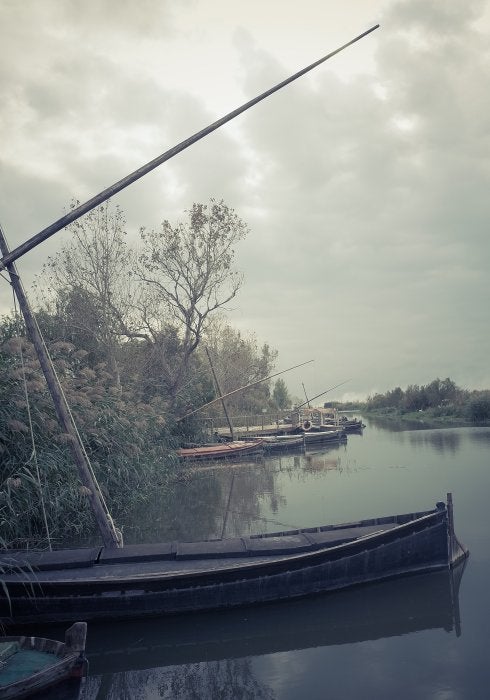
(130, 331)
(440, 401)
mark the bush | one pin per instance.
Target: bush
(478, 409)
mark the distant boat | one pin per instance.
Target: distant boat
(350, 425)
(30, 665)
(314, 436)
(222, 450)
(323, 419)
(174, 577)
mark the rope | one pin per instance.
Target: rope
(33, 441)
(82, 447)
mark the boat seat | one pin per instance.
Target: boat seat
(212, 549)
(161, 551)
(337, 536)
(27, 560)
(281, 544)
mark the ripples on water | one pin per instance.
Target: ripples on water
(417, 638)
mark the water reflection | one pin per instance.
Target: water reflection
(439, 440)
(210, 655)
(228, 680)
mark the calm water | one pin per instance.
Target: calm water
(424, 637)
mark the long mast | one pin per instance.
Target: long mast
(151, 165)
(104, 520)
(110, 536)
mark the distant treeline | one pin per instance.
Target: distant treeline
(441, 397)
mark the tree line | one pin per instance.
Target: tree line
(440, 397)
(129, 329)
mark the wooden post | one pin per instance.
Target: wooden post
(232, 433)
(151, 165)
(110, 536)
(450, 526)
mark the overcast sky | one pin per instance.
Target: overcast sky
(365, 184)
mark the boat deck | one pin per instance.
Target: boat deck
(177, 558)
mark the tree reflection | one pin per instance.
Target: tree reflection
(439, 440)
(221, 680)
(230, 679)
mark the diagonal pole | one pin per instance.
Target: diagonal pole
(109, 534)
(79, 211)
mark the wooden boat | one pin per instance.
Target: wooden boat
(392, 608)
(316, 436)
(222, 450)
(29, 665)
(350, 425)
(155, 579)
(283, 442)
(297, 440)
(116, 581)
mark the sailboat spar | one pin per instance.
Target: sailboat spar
(110, 535)
(114, 581)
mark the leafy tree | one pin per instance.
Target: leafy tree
(126, 439)
(239, 361)
(88, 285)
(280, 394)
(187, 268)
(478, 409)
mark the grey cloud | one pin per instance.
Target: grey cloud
(368, 246)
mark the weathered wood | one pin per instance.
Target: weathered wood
(105, 523)
(214, 574)
(220, 393)
(52, 663)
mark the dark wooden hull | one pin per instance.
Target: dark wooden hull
(146, 580)
(64, 668)
(390, 608)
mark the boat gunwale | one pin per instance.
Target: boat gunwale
(69, 661)
(242, 567)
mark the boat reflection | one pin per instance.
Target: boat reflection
(167, 650)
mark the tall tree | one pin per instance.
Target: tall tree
(280, 394)
(187, 268)
(239, 361)
(89, 282)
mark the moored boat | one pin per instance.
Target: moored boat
(315, 436)
(324, 436)
(31, 665)
(350, 425)
(392, 608)
(157, 579)
(222, 450)
(283, 442)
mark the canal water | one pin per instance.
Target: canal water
(425, 637)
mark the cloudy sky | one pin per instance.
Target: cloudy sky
(365, 184)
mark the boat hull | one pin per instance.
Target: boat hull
(51, 664)
(223, 450)
(145, 580)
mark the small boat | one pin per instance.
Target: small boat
(316, 436)
(283, 442)
(350, 425)
(222, 450)
(30, 665)
(175, 577)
